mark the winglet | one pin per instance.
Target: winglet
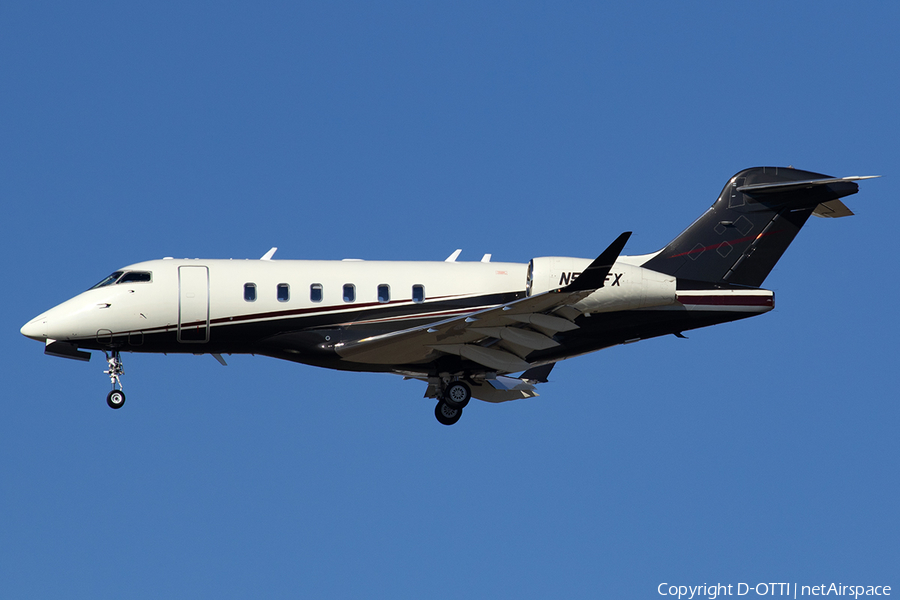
(454, 256)
(593, 277)
(268, 255)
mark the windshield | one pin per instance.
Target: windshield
(135, 276)
(126, 277)
(109, 280)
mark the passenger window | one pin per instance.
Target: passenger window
(418, 293)
(284, 292)
(250, 292)
(135, 277)
(384, 293)
(315, 292)
(349, 292)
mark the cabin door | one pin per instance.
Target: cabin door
(193, 305)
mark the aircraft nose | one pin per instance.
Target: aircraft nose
(35, 329)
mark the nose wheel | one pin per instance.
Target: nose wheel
(116, 398)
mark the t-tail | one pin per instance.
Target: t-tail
(743, 234)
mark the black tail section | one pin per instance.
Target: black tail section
(741, 237)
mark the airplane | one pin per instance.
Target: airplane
(464, 328)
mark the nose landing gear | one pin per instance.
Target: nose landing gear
(116, 398)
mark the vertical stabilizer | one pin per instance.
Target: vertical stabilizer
(744, 233)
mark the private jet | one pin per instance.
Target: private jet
(464, 328)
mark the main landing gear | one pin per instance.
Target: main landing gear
(116, 398)
(451, 402)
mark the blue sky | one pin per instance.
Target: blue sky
(764, 450)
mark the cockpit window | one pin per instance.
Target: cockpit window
(136, 277)
(109, 280)
(126, 277)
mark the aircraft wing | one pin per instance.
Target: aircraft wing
(521, 326)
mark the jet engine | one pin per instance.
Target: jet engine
(626, 287)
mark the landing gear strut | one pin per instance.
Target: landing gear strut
(116, 398)
(451, 402)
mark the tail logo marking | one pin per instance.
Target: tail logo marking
(743, 225)
(699, 249)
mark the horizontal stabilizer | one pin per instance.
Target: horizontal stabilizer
(832, 210)
(761, 190)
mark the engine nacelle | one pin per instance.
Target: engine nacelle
(626, 286)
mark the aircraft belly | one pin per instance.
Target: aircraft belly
(396, 356)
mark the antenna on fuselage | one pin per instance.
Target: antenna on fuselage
(454, 256)
(268, 255)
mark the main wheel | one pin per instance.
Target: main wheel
(457, 395)
(115, 399)
(447, 415)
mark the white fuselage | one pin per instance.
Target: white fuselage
(192, 293)
(308, 311)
